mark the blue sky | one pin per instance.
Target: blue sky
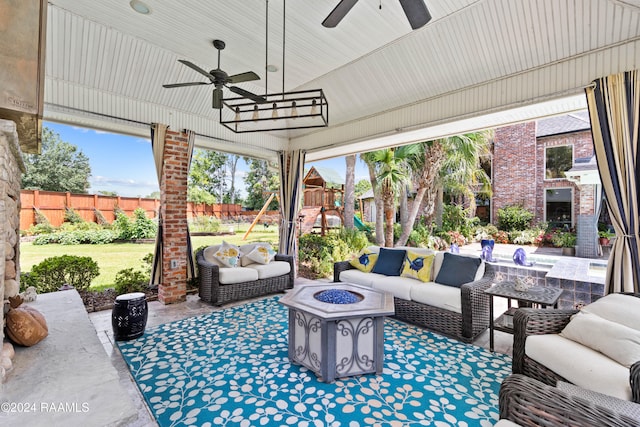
(124, 164)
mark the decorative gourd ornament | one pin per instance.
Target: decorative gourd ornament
(25, 325)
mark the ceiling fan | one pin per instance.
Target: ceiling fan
(221, 79)
(416, 11)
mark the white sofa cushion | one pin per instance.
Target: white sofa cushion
(358, 277)
(622, 309)
(440, 296)
(231, 275)
(580, 365)
(400, 287)
(273, 269)
(612, 339)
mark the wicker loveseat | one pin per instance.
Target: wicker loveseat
(220, 285)
(460, 312)
(528, 402)
(540, 352)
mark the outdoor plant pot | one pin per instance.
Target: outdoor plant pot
(604, 241)
(569, 251)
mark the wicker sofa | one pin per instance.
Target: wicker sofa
(464, 319)
(525, 401)
(580, 364)
(220, 285)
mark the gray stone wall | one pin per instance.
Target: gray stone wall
(10, 176)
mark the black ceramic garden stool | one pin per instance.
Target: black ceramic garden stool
(129, 316)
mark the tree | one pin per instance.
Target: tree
(369, 160)
(60, 167)
(232, 163)
(205, 177)
(462, 174)
(425, 167)
(108, 193)
(153, 195)
(261, 179)
(349, 191)
(393, 172)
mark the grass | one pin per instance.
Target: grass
(114, 257)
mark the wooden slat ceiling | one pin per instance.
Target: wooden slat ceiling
(106, 64)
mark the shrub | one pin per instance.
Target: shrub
(318, 253)
(456, 237)
(564, 239)
(41, 218)
(38, 229)
(70, 215)
(525, 237)
(501, 237)
(455, 218)
(205, 224)
(76, 237)
(131, 280)
(484, 232)
(122, 226)
(52, 273)
(142, 227)
(514, 218)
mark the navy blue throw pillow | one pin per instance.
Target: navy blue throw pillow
(390, 262)
(457, 270)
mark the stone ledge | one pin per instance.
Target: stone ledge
(68, 368)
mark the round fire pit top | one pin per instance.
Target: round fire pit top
(338, 296)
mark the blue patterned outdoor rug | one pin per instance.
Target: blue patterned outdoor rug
(230, 368)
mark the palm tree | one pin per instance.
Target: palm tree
(461, 171)
(369, 160)
(393, 172)
(349, 191)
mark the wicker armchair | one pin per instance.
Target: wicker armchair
(211, 290)
(465, 326)
(529, 321)
(528, 402)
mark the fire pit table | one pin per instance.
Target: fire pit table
(337, 330)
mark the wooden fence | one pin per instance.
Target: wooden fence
(90, 206)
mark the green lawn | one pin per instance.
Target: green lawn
(114, 257)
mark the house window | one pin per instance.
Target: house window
(559, 207)
(558, 160)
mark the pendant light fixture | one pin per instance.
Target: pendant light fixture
(282, 111)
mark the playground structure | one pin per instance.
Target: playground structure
(320, 199)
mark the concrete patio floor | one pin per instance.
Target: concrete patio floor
(79, 363)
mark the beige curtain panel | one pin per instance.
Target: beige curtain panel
(158, 134)
(291, 171)
(614, 109)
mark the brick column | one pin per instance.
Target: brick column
(514, 168)
(173, 197)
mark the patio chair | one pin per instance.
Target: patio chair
(579, 360)
(527, 402)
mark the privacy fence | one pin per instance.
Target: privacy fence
(98, 208)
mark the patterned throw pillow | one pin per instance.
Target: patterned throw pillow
(418, 266)
(228, 254)
(263, 253)
(365, 260)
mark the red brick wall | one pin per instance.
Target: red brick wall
(514, 160)
(173, 190)
(519, 169)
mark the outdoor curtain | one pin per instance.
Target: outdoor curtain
(158, 134)
(614, 109)
(291, 170)
(191, 137)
